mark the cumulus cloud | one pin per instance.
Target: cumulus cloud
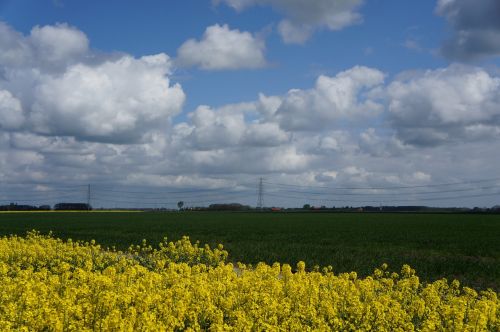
(72, 117)
(52, 46)
(302, 17)
(213, 129)
(377, 145)
(476, 28)
(426, 110)
(437, 106)
(222, 48)
(182, 181)
(281, 133)
(268, 105)
(52, 84)
(264, 134)
(116, 100)
(293, 33)
(228, 127)
(279, 159)
(58, 43)
(333, 98)
(15, 47)
(412, 45)
(329, 143)
(11, 113)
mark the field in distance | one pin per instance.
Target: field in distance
(461, 246)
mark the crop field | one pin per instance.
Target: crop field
(461, 246)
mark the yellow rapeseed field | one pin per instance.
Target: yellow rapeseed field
(47, 284)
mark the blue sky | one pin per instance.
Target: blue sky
(162, 26)
(215, 94)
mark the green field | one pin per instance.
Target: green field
(466, 247)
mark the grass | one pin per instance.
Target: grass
(461, 246)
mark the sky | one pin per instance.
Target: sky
(330, 102)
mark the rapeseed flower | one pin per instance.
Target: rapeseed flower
(54, 285)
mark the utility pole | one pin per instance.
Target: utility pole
(88, 197)
(260, 199)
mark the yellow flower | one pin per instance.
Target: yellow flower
(49, 284)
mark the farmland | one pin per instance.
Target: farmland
(459, 246)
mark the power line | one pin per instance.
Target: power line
(144, 195)
(160, 192)
(40, 196)
(169, 202)
(382, 201)
(390, 194)
(39, 199)
(384, 188)
(47, 187)
(387, 195)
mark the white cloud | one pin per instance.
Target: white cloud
(436, 106)
(421, 176)
(376, 145)
(212, 129)
(47, 47)
(287, 160)
(228, 127)
(237, 4)
(11, 113)
(15, 48)
(293, 33)
(116, 100)
(58, 43)
(52, 84)
(476, 28)
(264, 134)
(181, 181)
(302, 17)
(76, 117)
(329, 143)
(268, 105)
(222, 48)
(332, 98)
(413, 45)
(482, 132)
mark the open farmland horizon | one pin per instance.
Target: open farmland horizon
(461, 246)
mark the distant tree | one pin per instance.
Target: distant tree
(73, 206)
(306, 206)
(180, 204)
